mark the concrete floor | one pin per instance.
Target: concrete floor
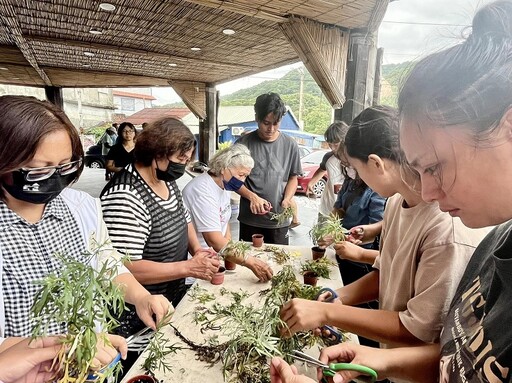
(92, 181)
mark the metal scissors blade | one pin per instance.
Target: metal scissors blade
(138, 341)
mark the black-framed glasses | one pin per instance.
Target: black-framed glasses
(40, 174)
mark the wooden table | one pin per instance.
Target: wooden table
(186, 368)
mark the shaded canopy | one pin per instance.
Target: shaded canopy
(148, 42)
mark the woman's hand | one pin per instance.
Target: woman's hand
(203, 265)
(347, 250)
(105, 352)
(356, 235)
(302, 315)
(353, 353)
(282, 372)
(150, 306)
(29, 361)
(259, 205)
(261, 269)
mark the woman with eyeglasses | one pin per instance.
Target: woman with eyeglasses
(40, 155)
(121, 154)
(208, 198)
(147, 221)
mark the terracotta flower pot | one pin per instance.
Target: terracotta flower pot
(257, 240)
(318, 252)
(310, 278)
(142, 379)
(218, 277)
(229, 265)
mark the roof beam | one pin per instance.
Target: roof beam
(137, 52)
(377, 15)
(193, 95)
(8, 17)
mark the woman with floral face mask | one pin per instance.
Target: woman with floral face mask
(147, 221)
(208, 198)
(40, 155)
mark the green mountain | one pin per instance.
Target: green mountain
(316, 109)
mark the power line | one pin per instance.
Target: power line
(424, 23)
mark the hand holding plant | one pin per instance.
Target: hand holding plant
(149, 305)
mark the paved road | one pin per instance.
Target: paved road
(92, 181)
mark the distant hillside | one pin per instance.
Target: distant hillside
(317, 111)
(392, 77)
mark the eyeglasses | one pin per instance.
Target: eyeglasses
(39, 174)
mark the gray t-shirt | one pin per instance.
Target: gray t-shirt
(274, 163)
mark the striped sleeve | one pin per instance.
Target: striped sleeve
(128, 221)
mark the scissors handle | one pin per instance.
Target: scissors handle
(333, 293)
(334, 367)
(95, 375)
(334, 336)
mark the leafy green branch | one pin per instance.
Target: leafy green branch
(83, 298)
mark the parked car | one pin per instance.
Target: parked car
(310, 164)
(304, 150)
(93, 157)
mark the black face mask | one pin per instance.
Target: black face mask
(174, 171)
(38, 192)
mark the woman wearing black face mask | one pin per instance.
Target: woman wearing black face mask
(208, 198)
(147, 221)
(40, 155)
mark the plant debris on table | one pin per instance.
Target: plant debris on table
(279, 254)
(253, 332)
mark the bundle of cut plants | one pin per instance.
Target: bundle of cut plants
(86, 300)
(252, 333)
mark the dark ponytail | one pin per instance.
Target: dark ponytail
(470, 83)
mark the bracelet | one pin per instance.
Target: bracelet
(245, 259)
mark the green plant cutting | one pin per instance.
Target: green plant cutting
(329, 228)
(83, 298)
(158, 349)
(235, 249)
(284, 216)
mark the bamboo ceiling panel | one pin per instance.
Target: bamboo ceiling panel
(143, 37)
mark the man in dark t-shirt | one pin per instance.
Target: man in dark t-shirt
(273, 181)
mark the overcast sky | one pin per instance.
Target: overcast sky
(410, 30)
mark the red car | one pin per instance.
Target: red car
(310, 163)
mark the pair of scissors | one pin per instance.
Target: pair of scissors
(97, 375)
(335, 336)
(329, 370)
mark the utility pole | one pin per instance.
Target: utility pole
(301, 92)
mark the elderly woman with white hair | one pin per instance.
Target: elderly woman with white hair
(207, 197)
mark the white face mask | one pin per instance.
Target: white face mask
(351, 172)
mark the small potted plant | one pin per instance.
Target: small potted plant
(257, 240)
(218, 277)
(314, 269)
